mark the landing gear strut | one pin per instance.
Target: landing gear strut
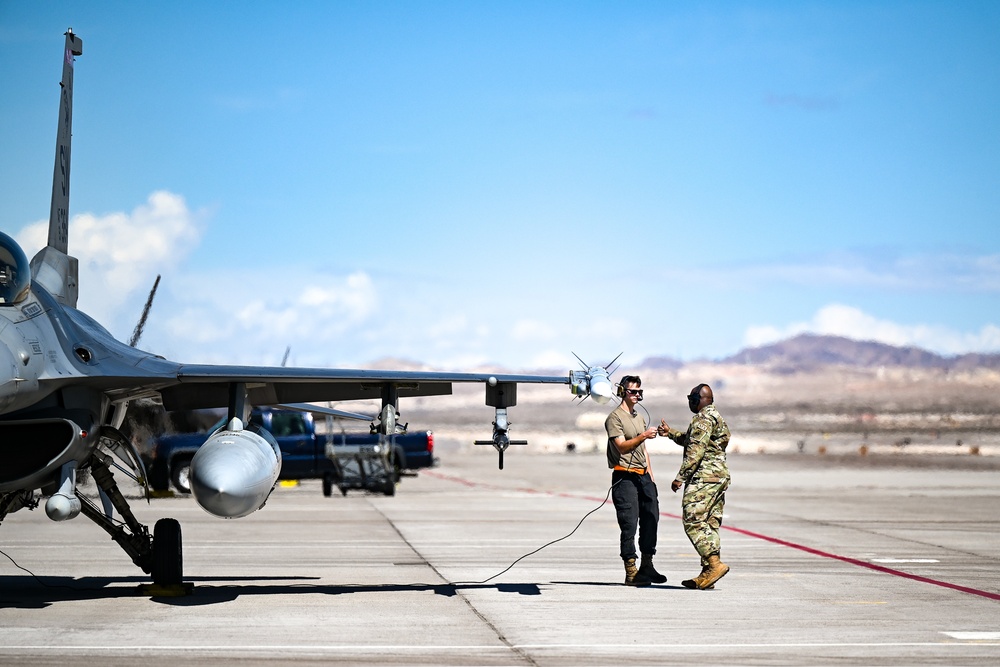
(159, 555)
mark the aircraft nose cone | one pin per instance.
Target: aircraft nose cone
(231, 477)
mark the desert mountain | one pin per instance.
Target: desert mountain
(811, 351)
(808, 351)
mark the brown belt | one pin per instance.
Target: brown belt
(637, 471)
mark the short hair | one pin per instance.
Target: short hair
(630, 379)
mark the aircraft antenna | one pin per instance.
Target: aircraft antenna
(612, 361)
(141, 324)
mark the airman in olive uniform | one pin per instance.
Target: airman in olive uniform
(632, 488)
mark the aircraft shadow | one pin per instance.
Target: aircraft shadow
(25, 592)
(34, 592)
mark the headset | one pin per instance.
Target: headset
(627, 380)
(694, 398)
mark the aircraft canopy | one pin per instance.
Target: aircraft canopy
(15, 272)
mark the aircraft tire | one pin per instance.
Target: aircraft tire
(168, 561)
(180, 475)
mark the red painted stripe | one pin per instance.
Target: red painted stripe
(861, 563)
(759, 536)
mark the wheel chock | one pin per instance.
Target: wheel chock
(166, 590)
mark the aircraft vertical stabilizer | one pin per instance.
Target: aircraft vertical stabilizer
(52, 267)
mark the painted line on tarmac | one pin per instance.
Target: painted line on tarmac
(974, 636)
(861, 563)
(748, 533)
(236, 650)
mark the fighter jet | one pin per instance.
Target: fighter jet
(66, 382)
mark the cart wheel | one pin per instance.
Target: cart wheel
(327, 486)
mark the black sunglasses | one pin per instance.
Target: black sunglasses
(634, 392)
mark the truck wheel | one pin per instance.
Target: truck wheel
(181, 476)
(327, 485)
(168, 560)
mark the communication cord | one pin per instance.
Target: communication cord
(35, 577)
(570, 534)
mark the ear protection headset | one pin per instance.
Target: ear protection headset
(694, 398)
(626, 380)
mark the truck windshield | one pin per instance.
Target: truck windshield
(287, 423)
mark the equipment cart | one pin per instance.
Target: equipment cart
(367, 466)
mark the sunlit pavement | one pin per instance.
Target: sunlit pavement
(832, 563)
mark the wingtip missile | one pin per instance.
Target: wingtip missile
(593, 382)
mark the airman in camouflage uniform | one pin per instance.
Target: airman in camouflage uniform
(705, 478)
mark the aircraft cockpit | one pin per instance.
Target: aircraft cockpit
(15, 272)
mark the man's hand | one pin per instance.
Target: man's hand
(649, 433)
(676, 484)
(663, 428)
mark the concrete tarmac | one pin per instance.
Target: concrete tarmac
(834, 562)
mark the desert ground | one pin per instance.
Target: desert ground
(836, 411)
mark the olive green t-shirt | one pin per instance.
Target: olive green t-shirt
(621, 423)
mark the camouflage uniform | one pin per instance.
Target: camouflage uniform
(705, 477)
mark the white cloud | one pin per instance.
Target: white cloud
(850, 322)
(121, 253)
(227, 318)
(222, 316)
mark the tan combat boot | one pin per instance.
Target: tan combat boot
(693, 583)
(632, 576)
(714, 571)
(647, 571)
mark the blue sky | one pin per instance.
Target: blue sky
(475, 182)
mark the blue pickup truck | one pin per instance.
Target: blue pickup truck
(343, 460)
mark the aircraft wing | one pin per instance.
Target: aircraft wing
(124, 373)
(207, 386)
